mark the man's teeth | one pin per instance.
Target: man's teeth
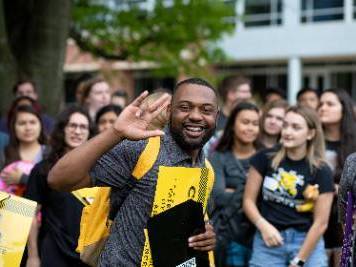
(194, 129)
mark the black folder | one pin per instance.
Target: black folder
(168, 234)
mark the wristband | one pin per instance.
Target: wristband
(297, 262)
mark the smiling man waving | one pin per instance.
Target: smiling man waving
(109, 159)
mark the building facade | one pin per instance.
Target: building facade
(293, 44)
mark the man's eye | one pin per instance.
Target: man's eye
(208, 110)
(184, 108)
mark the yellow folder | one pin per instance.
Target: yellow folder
(16, 215)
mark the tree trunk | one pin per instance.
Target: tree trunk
(46, 49)
(37, 32)
(7, 65)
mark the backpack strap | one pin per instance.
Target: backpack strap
(147, 158)
(144, 163)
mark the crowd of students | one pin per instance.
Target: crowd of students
(277, 170)
(264, 174)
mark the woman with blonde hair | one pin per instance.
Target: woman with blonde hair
(296, 194)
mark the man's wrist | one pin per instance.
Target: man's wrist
(297, 262)
(118, 134)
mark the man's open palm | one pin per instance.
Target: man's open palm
(134, 120)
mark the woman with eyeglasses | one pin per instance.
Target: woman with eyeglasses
(53, 241)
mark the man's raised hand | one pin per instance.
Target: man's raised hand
(134, 120)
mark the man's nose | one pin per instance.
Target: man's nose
(195, 114)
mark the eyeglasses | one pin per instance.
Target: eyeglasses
(74, 126)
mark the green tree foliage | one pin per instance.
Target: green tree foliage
(179, 35)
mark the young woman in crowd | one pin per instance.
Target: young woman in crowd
(53, 243)
(231, 161)
(271, 123)
(296, 190)
(106, 117)
(26, 147)
(339, 124)
(95, 95)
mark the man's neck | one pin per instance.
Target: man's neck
(194, 154)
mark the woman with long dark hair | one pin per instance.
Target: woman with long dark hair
(26, 147)
(231, 163)
(339, 124)
(61, 211)
(288, 195)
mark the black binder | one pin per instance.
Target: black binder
(168, 234)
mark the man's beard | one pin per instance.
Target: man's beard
(188, 145)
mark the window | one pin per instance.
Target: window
(342, 80)
(263, 13)
(322, 10)
(129, 4)
(232, 5)
(354, 9)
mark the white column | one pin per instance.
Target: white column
(348, 11)
(291, 13)
(294, 78)
(240, 10)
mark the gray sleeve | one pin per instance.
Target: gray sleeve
(347, 183)
(115, 167)
(220, 197)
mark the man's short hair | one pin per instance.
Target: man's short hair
(120, 93)
(197, 81)
(274, 90)
(306, 90)
(230, 83)
(23, 81)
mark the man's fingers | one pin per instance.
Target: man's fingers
(138, 101)
(208, 248)
(158, 110)
(202, 243)
(153, 133)
(163, 101)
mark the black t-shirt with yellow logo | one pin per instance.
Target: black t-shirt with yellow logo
(282, 202)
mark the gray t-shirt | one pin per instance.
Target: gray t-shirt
(125, 243)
